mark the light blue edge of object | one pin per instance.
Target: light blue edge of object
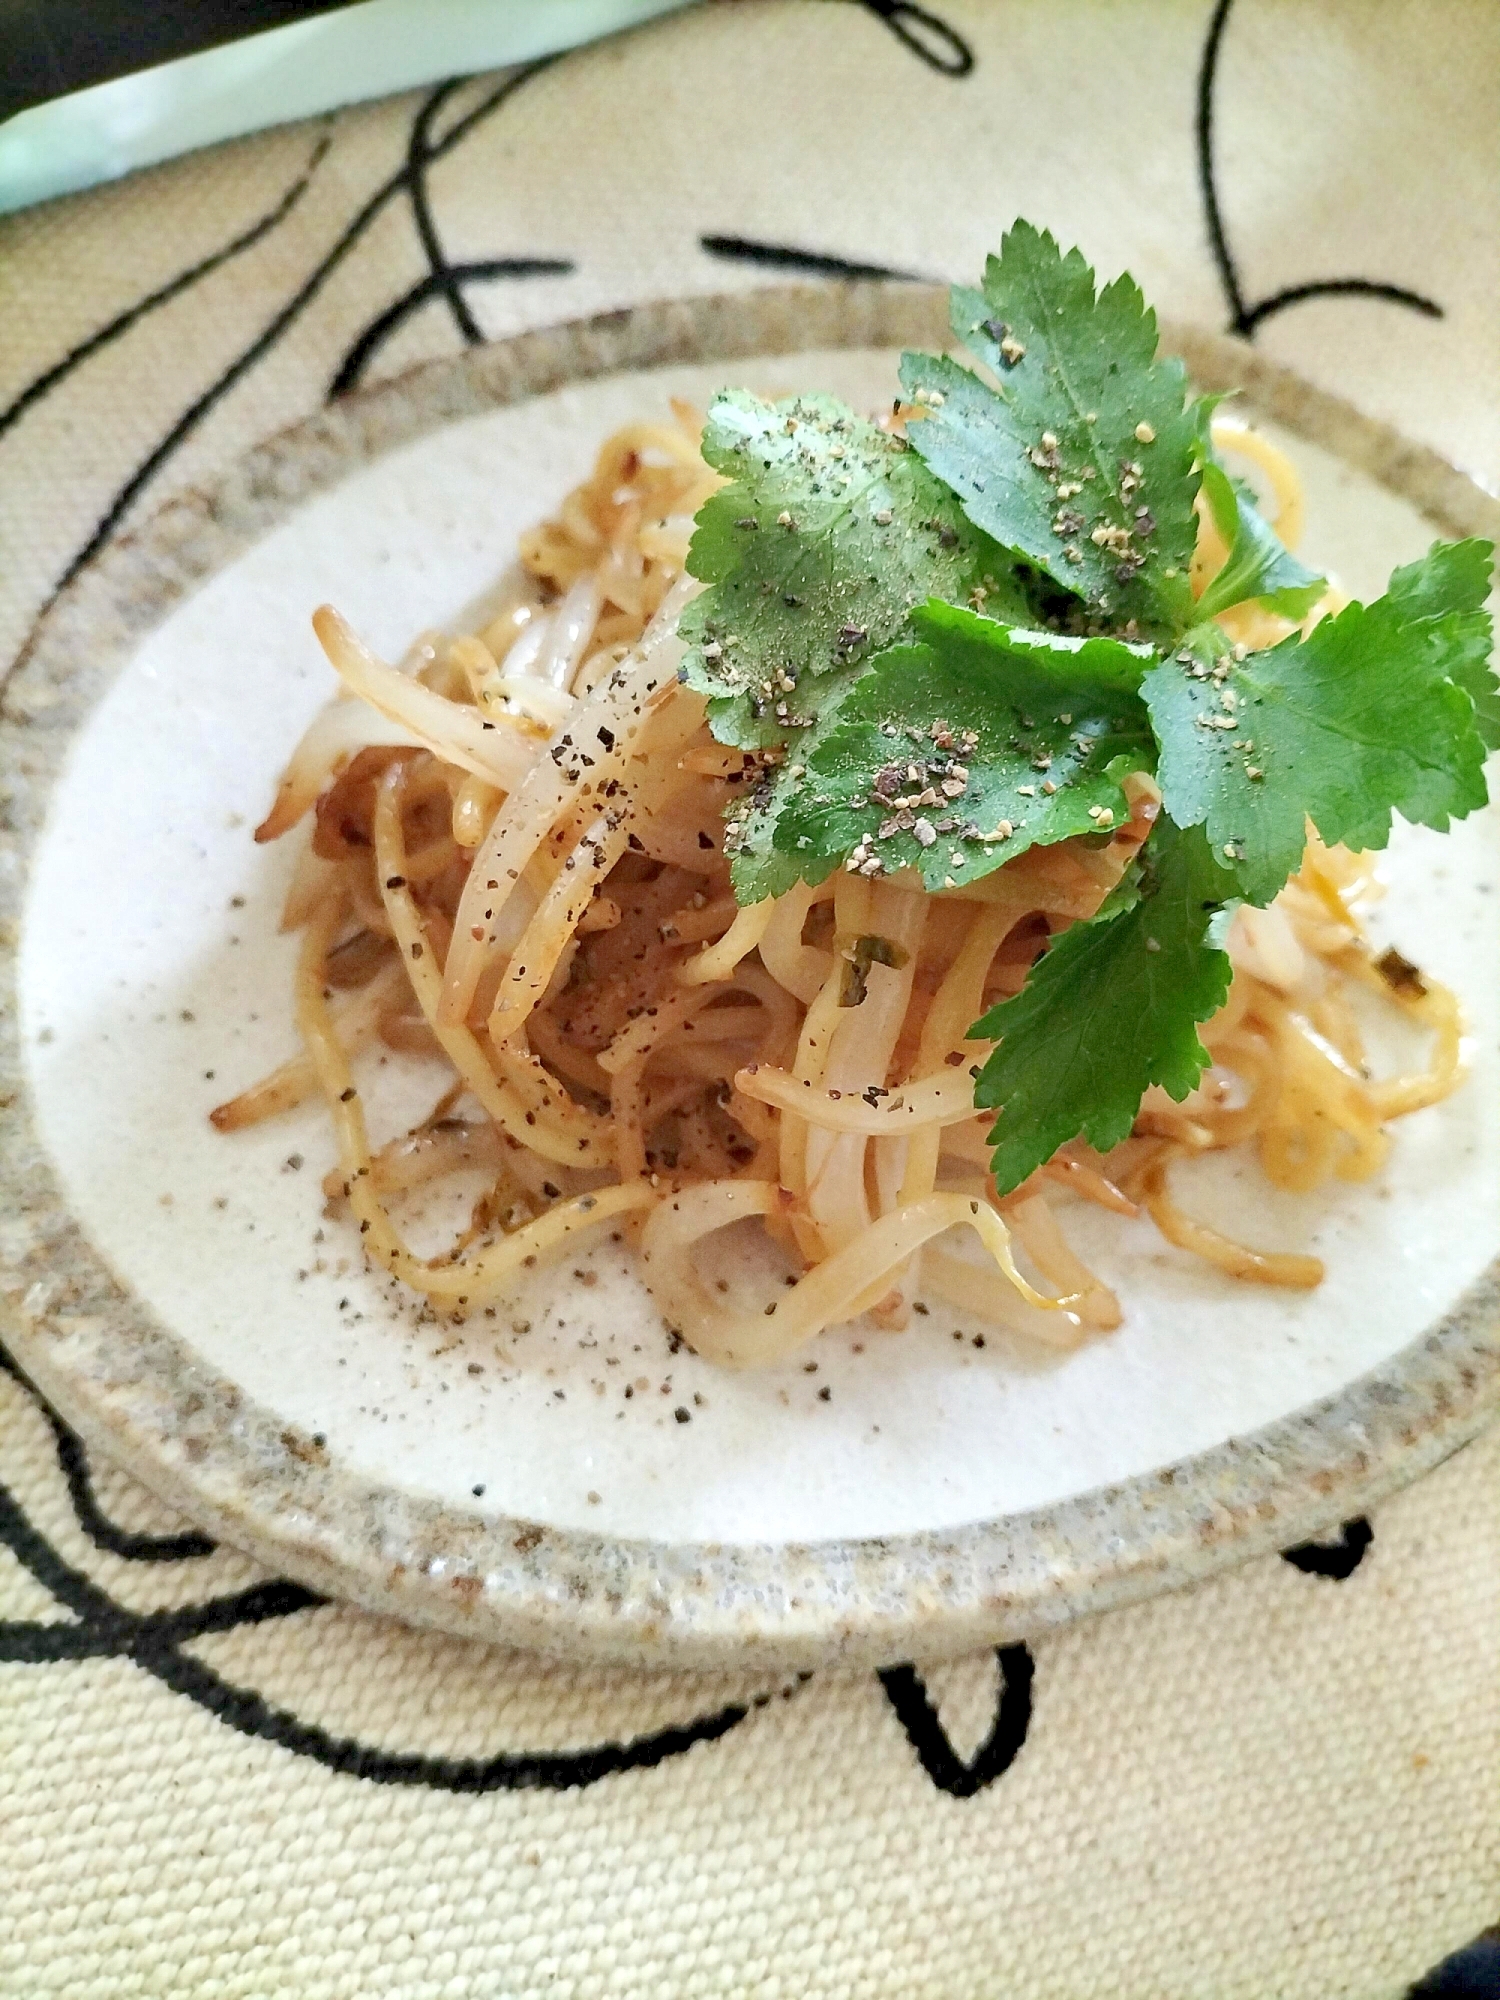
(363, 51)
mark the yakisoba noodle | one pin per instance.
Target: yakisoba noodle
(517, 860)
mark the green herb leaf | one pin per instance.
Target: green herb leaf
(918, 736)
(1452, 576)
(954, 755)
(814, 555)
(1355, 721)
(1258, 565)
(1082, 457)
(1450, 584)
(756, 868)
(1110, 1009)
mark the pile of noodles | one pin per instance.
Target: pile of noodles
(516, 859)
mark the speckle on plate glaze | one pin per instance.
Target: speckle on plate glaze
(389, 1469)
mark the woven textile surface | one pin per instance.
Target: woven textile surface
(1283, 1782)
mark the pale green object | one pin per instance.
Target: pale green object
(286, 73)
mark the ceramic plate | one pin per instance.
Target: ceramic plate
(556, 1474)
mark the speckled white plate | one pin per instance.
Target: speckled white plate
(554, 1474)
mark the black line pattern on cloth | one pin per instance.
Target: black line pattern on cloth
(112, 330)
(1245, 318)
(104, 1533)
(1470, 1973)
(419, 153)
(102, 1628)
(942, 49)
(785, 257)
(1336, 1560)
(154, 1642)
(444, 279)
(394, 184)
(437, 284)
(961, 1778)
(931, 39)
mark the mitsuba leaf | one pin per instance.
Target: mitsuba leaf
(1343, 727)
(1452, 576)
(830, 531)
(1111, 1008)
(1258, 565)
(1125, 895)
(1082, 455)
(953, 755)
(756, 868)
(1449, 587)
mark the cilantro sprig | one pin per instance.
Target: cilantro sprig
(953, 646)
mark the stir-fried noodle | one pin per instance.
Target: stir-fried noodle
(517, 860)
